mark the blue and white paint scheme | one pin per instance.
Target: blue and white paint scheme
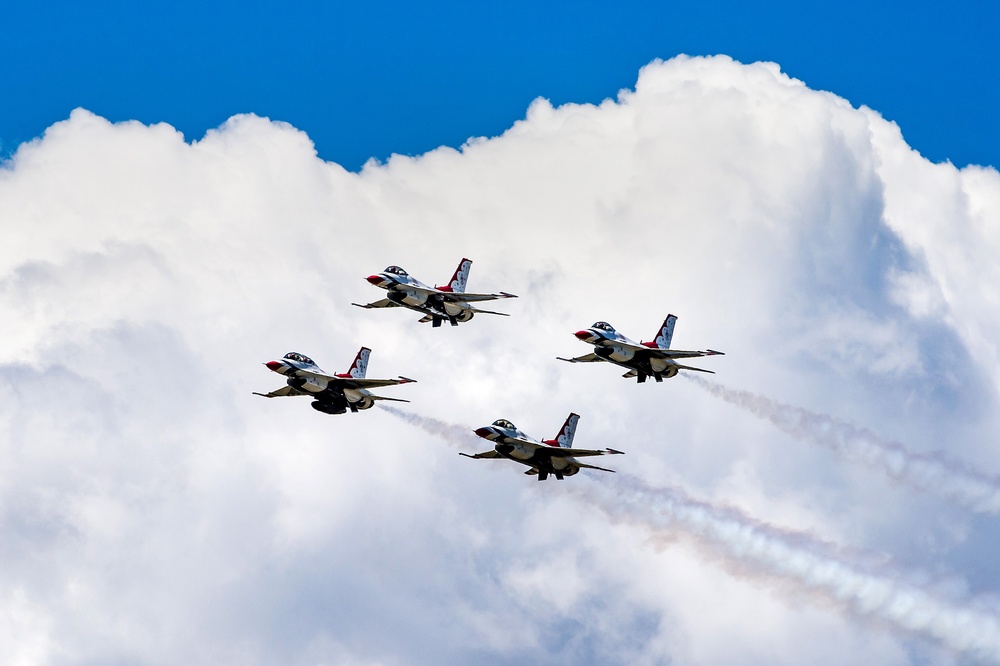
(449, 302)
(643, 359)
(551, 456)
(333, 394)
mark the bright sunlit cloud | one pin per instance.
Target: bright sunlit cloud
(154, 511)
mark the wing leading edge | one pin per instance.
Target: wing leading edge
(284, 391)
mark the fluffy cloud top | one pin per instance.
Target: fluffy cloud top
(154, 511)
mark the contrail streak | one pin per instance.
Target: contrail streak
(856, 581)
(933, 473)
(867, 585)
(456, 435)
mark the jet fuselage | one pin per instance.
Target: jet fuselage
(329, 399)
(615, 348)
(514, 445)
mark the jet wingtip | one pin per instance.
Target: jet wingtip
(615, 451)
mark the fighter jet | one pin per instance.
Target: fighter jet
(642, 359)
(550, 456)
(450, 302)
(333, 394)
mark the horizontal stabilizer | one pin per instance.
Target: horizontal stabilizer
(603, 469)
(379, 397)
(688, 367)
(478, 311)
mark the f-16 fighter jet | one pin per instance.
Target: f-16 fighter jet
(333, 394)
(550, 456)
(642, 359)
(450, 302)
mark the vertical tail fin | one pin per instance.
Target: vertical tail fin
(666, 332)
(460, 278)
(360, 365)
(565, 437)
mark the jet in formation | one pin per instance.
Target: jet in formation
(447, 303)
(332, 394)
(644, 359)
(550, 456)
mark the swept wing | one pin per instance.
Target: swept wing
(560, 452)
(455, 296)
(484, 454)
(282, 392)
(384, 303)
(586, 358)
(662, 353)
(354, 383)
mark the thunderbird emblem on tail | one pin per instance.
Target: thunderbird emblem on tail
(644, 359)
(551, 456)
(333, 394)
(446, 303)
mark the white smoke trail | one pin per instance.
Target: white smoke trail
(456, 435)
(855, 581)
(867, 585)
(933, 473)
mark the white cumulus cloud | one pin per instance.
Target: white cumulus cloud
(154, 511)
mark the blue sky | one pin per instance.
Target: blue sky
(370, 79)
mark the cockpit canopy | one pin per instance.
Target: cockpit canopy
(604, 326)
(504, 423)
(295, 356)
(395, 270)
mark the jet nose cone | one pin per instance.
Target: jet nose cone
(274, 366)
(375, 279)
(484, 432)
(586, 336)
